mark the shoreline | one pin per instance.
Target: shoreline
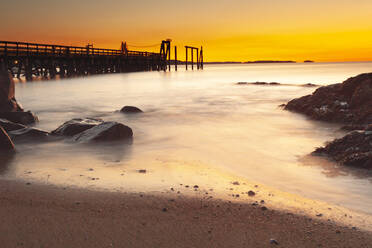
(36, 215)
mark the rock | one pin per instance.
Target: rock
(24, 118)
(348, 102)
(76, 126)
(10, 126)
(106, 131)
(354, 149)
(142, 171)
(28, 133)
(274, 242)
(310, 85)
(8, 102)
(6, 144)
(251, 193)
(130, 110)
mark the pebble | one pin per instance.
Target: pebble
(164, 210)
(90, 169)
(262, 202)
(319, 215)
(28, 183)
(274, 242)
(263, 208)
(196, 186)
(236, 183)
(251, 193)
(142, 171)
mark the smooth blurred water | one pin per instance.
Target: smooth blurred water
(192, 117)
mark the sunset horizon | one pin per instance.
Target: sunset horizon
(323, 31)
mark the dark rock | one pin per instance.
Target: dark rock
(310, 85)
(142, 171)
(348, 102)
(274, 242)
(130, 110)
(24, 118)
(10, 126)
(8, 102)
(251, 193)
(354, 149)
(5, 142)
(76, 126)
(106, 131)
(28, 133)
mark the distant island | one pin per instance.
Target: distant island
(252, 62)
(308, 61)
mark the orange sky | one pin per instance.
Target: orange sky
(229, 30)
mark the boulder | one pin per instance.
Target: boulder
(10, 126)
(348, 102)
(28, 133)
(354, 149)
(6, 144)
(76, 126)
(106, 131)
(8, 102)
(130, 110)
(24, 118)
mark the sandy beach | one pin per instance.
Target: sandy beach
(48, 216)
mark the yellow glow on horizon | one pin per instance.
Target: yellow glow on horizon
(228, 30)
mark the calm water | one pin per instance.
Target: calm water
(193, 118)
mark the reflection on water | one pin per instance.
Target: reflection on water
(201, 119)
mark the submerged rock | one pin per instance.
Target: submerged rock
(76, 126)
(354, 149)
(348, 102)
(6, 144)
(130, 110)
(106, 131)
(24, 118)
(10, 126)
(29, 133)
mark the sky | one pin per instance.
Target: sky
(228, 30)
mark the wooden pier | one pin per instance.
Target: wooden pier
(43, 60)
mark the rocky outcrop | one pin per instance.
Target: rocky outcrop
(9, 107)
(6, 144)
(8, 102)
(25, 118)
(106, 131)
(130, 110)
(28, 134)
(10, 126)
(76, 126)
(354, 149)
(348, 102)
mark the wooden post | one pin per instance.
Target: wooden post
(169, 56)
(186, 58)
(201, 58)
(192, 58)
(197, 58)
(175, 58)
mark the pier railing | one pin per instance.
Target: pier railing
(10, 48)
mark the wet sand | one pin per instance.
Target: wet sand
(35, 215)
